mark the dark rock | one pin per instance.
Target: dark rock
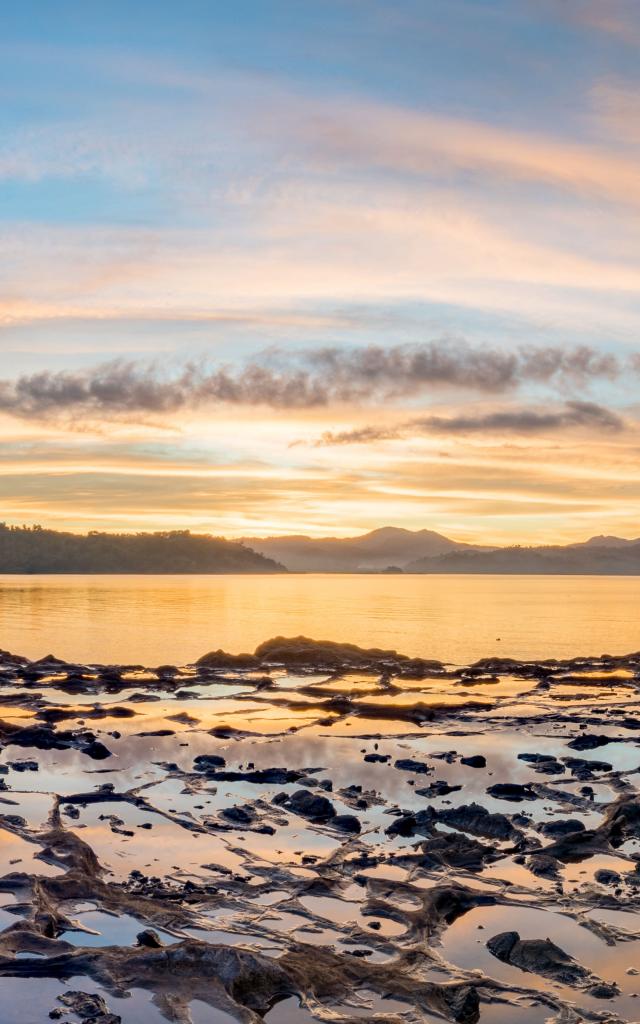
(512, 791)
(97, 750)
(557, 829)
(475, 761)
(242, 815)
(538, 956)
(149, 938)
(457, 851)
(606, 877)
(438, 788)
(589, 741)
(346, 822)
(310, 805)
(205, 762)
(89, 1007)
(477, 820)
(407, 764)
(403, 826)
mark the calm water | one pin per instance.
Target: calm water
(160, 619)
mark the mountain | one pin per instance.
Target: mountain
(35, 550)
(574, 559)
(388, 546)
(424, 551)
(606, 541)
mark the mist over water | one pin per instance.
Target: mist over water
(175, 619)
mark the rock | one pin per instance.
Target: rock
(407, 764)
(89, 1007)
(589, 741)
(583, 769)
(538, 956)
(346, 823)
(310, 805)
(405, 825)
(24, 766)
(377, 758)
(149, 938)
(205, 762)
(556, 829)
(457, 851)
(241, 815)
(603, 991)
(475, 761)
(478, 821)
(97, 751)
(606, 877)
(259, 776)
(437, 788)
(301, 651)
(222, 660)
(512, 791)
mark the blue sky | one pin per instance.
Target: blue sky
(207, 182)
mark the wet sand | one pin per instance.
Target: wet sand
(320, 832)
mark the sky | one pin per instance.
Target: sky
(271, 266)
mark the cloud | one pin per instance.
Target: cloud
(302, 380)
(587, 415)
(618, 18)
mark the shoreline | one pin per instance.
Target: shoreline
(296, 833)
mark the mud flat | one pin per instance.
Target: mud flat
(320, 832)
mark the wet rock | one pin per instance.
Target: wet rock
(603, 991)
(150, 939)
(259, 776)
(24, 766)
(585, 769)
(475, 761)
(437, 788)
(557, 829)
(301, 651)
(539, 956)
(89, 1007)
(207, 762)
(477, 820)
(456, 851)
(346, 823)
(513, 791)
(241, 815)
(589, 741)
(576, 847)
(408, 764)
(405, 825)
(311, 805)
(97, 750)
(223, 660)
(606, 877)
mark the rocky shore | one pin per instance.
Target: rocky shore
(320, 832)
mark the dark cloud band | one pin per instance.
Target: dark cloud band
(519, 421)
(313, 378)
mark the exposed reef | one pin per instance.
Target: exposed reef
(316, 831)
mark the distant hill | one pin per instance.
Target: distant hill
(390, 549)
(574, 559)
(606, 541)
(388, 546)
(36, 550)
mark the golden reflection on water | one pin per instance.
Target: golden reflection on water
(175, 619)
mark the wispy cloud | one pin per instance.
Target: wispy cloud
(581, 415)
(308, 379)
